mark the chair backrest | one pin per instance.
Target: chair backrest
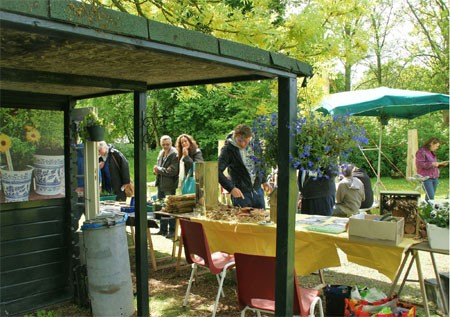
(196, 247)
(255, 276)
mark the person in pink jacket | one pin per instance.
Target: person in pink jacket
(427, 165)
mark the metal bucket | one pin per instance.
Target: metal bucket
(108, 266)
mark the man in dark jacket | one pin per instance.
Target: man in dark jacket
(115, 170)
(166, 171)
(246, 178)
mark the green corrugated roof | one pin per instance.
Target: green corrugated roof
(119, 46)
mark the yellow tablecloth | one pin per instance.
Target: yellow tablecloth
(313, 250)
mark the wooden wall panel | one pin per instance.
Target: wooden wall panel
(34, 257)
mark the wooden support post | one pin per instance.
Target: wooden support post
(411, 154)
(287, 199)
(206, 179)
(91, 187)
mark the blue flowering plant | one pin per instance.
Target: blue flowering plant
(265, 142)
(323, 142)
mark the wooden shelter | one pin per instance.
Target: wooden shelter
(55, 52)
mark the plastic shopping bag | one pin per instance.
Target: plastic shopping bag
(368, 303)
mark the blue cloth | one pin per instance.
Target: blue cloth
(80, 166)
(430, 186)
(107, 177)
(253, 199)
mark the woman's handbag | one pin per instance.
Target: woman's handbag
(188, 186)
(129, 189)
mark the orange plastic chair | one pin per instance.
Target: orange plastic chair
(255, 276)
(197, 253)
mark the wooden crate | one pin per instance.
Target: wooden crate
(207, 184)
(402, 204)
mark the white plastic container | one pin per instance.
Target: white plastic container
(438, 237)
(108, 266)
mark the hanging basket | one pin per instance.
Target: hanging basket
(96, 133)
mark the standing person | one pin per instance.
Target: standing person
(246, 179)
(361, 174)
(317, 194)
(188, 153)
(427, 165)
(114, 169)
(166, 171)
(349, 194)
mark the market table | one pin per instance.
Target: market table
(313, 250)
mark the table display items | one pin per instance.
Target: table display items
(178, 204)
(237, 214)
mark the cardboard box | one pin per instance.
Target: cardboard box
(368, 228)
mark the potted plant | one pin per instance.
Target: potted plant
(436, 217)
(17, 172)
(92, 128)
(49, 158)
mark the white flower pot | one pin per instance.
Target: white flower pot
(438, 237)
(48, 172)
(16, 184)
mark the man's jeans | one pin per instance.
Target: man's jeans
(253, 199)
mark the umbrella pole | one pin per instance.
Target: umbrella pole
(378, 184)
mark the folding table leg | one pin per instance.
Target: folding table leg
(322, 278)
(180, 248)
(175, 236)
(422, 283)
(152, 253)
(132, 235)
(439, 284)
(399, 273)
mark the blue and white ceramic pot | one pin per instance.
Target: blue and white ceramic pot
(48, 173)
(16, 184)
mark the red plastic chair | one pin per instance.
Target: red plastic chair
(256, 287)
(197, 253)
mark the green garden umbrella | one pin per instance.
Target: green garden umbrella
(384, 103)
